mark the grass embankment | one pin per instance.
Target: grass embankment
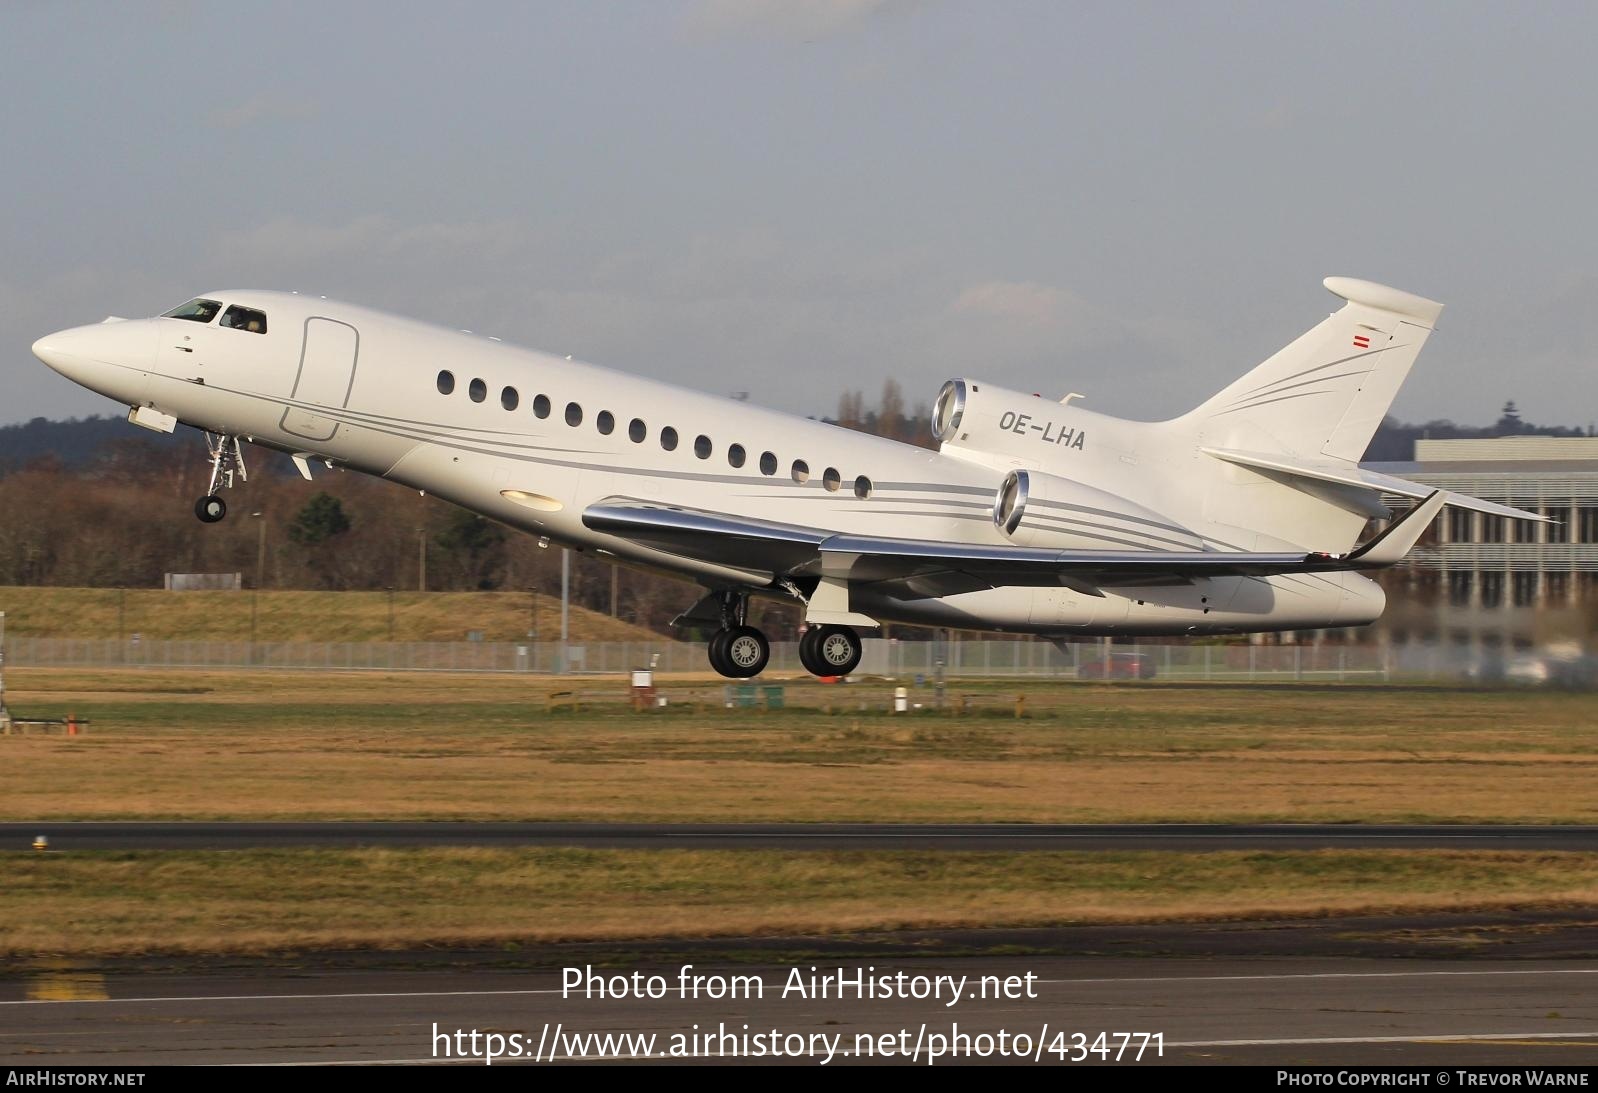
(243, 901)
(169, 745)
(195, 745)
(157, 615)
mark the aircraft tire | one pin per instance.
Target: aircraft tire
(809, 655)
(839, 649)
(717, 651)
(210, 509)
(746, 651)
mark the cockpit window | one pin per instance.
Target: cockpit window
(244, 318)
(197, 311)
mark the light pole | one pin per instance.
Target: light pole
(5, 716)
(390, 591)
(565, 602)
(260, 568)
(421, 559)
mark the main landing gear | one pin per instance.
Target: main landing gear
(227, 458)
(829, 650)
(737, 650)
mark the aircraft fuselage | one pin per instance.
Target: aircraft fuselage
(532, 440)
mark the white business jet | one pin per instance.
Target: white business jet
(1034, 516)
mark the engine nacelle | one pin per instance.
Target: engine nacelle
(982, 417)
(1037, 509)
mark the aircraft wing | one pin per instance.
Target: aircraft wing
(916, 568)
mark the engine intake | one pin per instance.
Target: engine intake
(1037, 509)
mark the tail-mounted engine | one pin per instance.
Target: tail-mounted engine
(983, 418)
(1037, 509)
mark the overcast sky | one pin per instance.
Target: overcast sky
(1134, 201)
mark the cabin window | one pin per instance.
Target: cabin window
(668, 438)
(768, 463)
(735, 455)
(801, 471)
(574, 414)
(446, 383)
(637, 431)
(831, 479)
(702, 447)
(244, 318)
(540, 405)
(478, 390)
(862, 487)
(509, 399)
(605, 422)
(196, 311)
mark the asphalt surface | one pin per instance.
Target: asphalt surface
(143, 835)
(1236, 1010)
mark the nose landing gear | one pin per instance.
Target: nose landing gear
(227, 458)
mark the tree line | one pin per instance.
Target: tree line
(95, 504)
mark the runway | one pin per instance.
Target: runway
(1028, 1009)
(205, 835)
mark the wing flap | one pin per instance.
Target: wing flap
(923, 567)
(720, 538)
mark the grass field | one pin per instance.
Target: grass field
(258, 745)
(298, 616)
(371, 746)
(260, 900)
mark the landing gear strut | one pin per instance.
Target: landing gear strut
(227, 458)
(830, 650)
(737, 650)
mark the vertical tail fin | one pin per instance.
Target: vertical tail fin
(1325, 393)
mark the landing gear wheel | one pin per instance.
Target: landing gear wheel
(227, 460)
(210, 508)
(746, 651)
(717, 651)
(840, 649)
(809, 655)
(830, 650)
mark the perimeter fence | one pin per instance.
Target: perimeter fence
(883, 657)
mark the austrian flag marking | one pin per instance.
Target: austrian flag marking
(1362, 341)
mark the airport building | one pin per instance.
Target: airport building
(1488, 581)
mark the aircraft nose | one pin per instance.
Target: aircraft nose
(84, 354)
(54, 350)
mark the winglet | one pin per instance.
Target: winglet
(1390, 547)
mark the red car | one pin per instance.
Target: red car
(1118, 666)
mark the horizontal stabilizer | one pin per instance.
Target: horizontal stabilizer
(1348, 474)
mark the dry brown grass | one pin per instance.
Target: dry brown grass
(332, 746)
(242, 901)
(297, 616)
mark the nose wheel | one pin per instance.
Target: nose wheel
(227, 459)
(830, 650)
